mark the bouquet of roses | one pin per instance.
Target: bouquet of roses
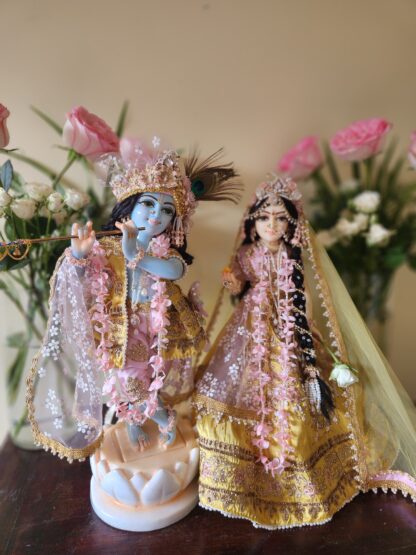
(363, 211)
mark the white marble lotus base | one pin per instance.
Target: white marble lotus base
(144, 489)
(142, 520)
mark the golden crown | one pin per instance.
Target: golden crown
(165, 174)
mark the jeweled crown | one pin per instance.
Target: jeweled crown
(276, 187)
(165, 174)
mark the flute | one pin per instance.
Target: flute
(13, 247)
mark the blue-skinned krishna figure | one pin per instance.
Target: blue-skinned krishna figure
(138, 331)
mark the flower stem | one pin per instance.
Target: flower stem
(71, 159)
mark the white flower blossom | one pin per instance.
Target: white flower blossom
(345, 228)
(24, 208)
(361, 220)
(44, 212)
(55, 202)
(5, 198)
(366, 202)
(341, 373)
(156, 142)
(38, 191)
(378, 236)
(76, 199)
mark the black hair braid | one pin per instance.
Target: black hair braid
(124, 209)
(303, 334)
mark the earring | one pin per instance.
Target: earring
(177, 233)
(253, 234)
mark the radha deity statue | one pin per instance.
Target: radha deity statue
(119, 325)
(298, 410)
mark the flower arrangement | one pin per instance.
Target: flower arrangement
(42, 209)
(361, 209)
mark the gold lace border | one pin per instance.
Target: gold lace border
(217, 409)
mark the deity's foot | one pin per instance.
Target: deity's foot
(167, 438)
(138, 436)
(143, 490)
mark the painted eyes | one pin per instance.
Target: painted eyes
(266, 218)
(150, 204)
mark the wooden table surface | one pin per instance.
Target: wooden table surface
(45, 509)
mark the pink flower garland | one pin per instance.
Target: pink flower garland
(284, 391)
(99, 277)
(160, 245)
(159, 322)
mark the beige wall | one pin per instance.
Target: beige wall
(250, 76)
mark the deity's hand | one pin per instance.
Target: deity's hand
(129, 240)
(230, 281)
(82, 246)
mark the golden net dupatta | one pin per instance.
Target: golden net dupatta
(382, 415)
(64, 398)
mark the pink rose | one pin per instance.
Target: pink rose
(88, 134)
(360, 140)
(4, 133)
(301, 160)
(412, 150)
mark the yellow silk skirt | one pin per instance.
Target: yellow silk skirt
(318, 484)
(320, 479)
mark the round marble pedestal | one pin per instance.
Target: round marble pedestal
(144, 490)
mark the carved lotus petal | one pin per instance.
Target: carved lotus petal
(118, 486)
(160, 488)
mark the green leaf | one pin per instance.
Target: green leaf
(6, 175)
(8, 264)
(48, 120)
(16, 340)
(355, 170)
(15, 373)
(331, 165)
(383, 167)
(394, 258)
(18, 182)
(35, 164)
(122, 119)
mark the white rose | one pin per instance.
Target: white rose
(342, 374)
(38, 191)
(327, 238)
(378, 236)
(76, 199)
(349, 186)
(5, 198)
(367, 202)
(24, 208)
(44, 212)
(59, 217)
(345, 228)
(361, 220)
(55, 202)
(2, 212)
